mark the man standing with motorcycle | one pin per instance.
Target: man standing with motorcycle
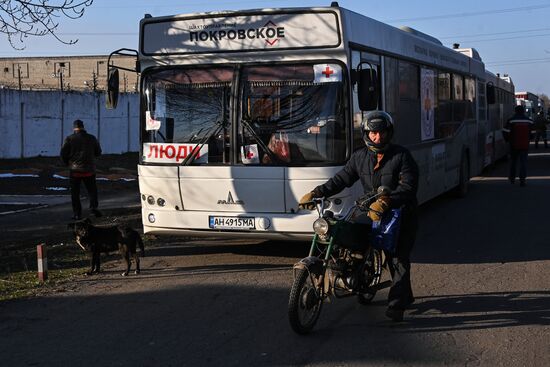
(381, 163)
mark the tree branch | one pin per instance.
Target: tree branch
(20, 19)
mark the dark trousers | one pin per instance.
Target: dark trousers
(521, 156)
(401, 294)
(91, 187)
(541, 135)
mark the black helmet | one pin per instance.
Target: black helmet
(377, 121)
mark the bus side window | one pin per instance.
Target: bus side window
(443, 115)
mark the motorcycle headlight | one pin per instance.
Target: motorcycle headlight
(320, 227)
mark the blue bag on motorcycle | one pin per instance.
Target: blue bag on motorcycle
(385, 233)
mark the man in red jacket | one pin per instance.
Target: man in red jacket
(518, 132)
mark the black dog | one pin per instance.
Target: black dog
(96, 240)
(129, 240)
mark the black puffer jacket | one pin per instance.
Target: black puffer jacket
(398, 170)
(79, 151)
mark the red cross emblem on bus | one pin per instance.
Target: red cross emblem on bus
(328, 71)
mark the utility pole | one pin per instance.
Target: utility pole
(94, 81)
(19, 75)
(60, 73)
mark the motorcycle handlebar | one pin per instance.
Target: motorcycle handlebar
(362, 203)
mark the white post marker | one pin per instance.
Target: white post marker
(42, 262)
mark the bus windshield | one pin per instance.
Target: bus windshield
(286, 116)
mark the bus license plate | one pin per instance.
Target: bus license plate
(231, 222)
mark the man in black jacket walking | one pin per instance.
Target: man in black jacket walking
(381, 163)
(79, 152)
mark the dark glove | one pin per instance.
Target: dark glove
(378, 208)
(306, 200)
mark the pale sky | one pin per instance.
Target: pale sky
(512, 37)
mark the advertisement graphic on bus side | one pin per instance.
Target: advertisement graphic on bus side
(427, 96)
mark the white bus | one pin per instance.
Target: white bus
(243, 112)
(531, 102)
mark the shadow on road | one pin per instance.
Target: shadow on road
(495, 223)
(481, 311)
(196, 324)
(286, 249)
(174, 272)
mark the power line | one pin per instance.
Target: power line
(457, 39)
(520, 63)
(495, 34)
(471, 14)
(517, 62)
(508, 38)
(447, 37)
(543, 58)
(148, 5)
(98, 34)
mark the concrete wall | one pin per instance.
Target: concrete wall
(35, 123)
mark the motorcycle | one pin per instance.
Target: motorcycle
(342, 262)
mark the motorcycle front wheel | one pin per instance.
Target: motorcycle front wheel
(304, 304)
(372, 273)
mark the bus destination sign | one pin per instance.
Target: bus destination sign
(240, 33)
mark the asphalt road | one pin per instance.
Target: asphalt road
(480, 275)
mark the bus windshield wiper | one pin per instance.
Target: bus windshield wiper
(214, 130)
(258, 140)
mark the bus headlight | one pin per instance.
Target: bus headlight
(320, 227)
(151, 218)
(150, 200)
(161, 202)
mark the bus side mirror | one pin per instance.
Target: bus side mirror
(367, 89)
(112, 89)
(490, 93)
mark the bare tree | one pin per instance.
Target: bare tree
(20, 19)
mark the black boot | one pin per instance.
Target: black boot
(395, 314)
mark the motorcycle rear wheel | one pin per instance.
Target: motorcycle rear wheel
(372, 274)
(304, 306)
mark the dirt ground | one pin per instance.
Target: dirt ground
(116, 168)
